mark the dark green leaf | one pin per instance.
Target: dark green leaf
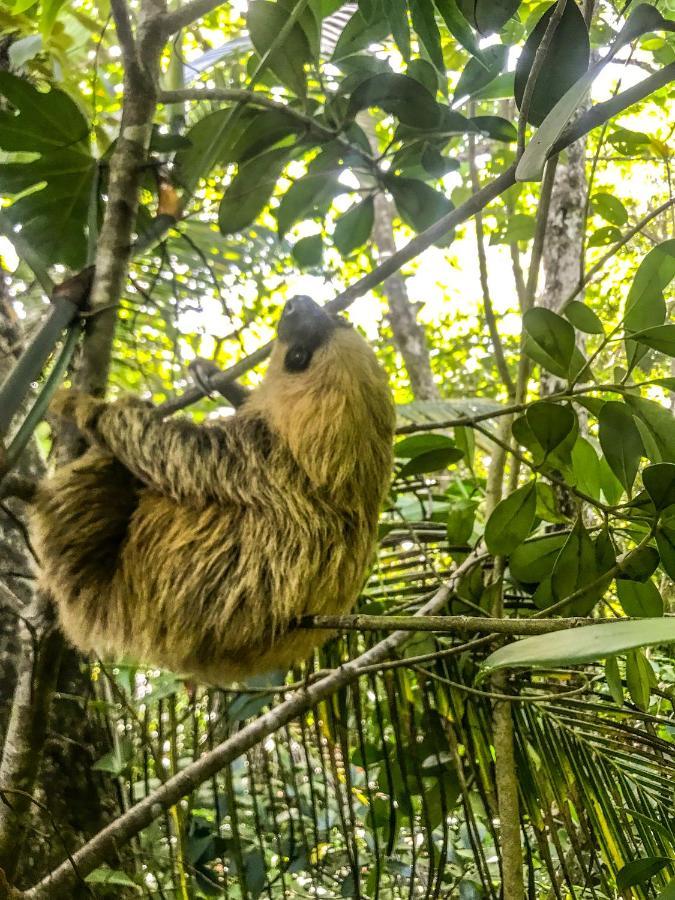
(496, 127)
(418, 204)
(586, 467)
(309, 194)
(424, 22)
(353, 228)
(424, 72)
(659, 481)
(476, 75)
(396, 12)
(400, 95)
(639, 598)
(548, 505)
(549, 340)
(308, 251)
(575, 570)
(620, 441)
(413, 446)
(613, 678)
(460, 521)
(668, 893)
(566, 61)
(250, 190)
(45, 122)
(359, 34)
(637, 677)
(105, 875)
(610, 208)
(487, 16)
(665, 541)
(583, 318)
(435, 163)
(583, 645)
(533, 561)
(208, 140)
(639, 564)
(661, 426)
(628, 142)
(645, 304)
(458, 26)
(608, 234)
(432, 461)
(550, 423)
(639, 871)
(659, 337)
(511, 520)
(265, 20)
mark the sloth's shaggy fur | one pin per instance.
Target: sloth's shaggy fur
(196, 547)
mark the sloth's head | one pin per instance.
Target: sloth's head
(326, 394)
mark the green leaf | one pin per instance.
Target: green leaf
(639, 598)
(645, 304)
(533, 561)
(312, 192)
(639, 871)
(610, 208)
(549, 340)
(639, 564)
(45, 121)
(308, 251)
(583, 318)
(417, 444)
(566, 61)
(659, 337)
(396, 12)
(660, 423)
(637, 677)
(511, 520)
(586, 467)
(518, 227)
(458, 26)
(265, 20)
(576, 568)
(105, 875)
(583, 645)
(668, 893)
(496, 127)
(418, 204)
(250, 190)
(487, 16)
(620, 441)
(461, 517)
(353, 228)
(550, 423)
(400, 95)
(613, 678)
(359, 34)
(208, 141)
(665, 541)
(602, 237)
(476, 75)
(423, 17)
(548, 505)
(431, 461)
(659, 482)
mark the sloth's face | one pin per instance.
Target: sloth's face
(304, 327)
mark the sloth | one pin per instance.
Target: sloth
(198, 547)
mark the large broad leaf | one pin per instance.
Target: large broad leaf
(265, 20)
(400, 95)
(309, 194)
(533, 560)
(659, 337)
(53, 217)
(659, 427)
(620, 441)
(418, 204)
(426, 453)
(423, 16)
(550, 423)
(640, 599)
(487, 16)
(359, 33)
(577, 570)
(549, 340)
(645, 304)
(639, 871)
(396, 12)
(566, 61)
(583, 318)
(250, 190)
(659, 481)
(458, 26)
(583, 645)
(478, 74)
(353, 228)
(511, 520)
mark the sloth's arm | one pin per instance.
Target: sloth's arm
(189, 462)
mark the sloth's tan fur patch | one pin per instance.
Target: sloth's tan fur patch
(196, 547)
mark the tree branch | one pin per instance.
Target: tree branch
(445, 624)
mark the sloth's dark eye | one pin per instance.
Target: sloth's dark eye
(297, 359)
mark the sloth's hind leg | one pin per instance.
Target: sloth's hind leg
(79, 524)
